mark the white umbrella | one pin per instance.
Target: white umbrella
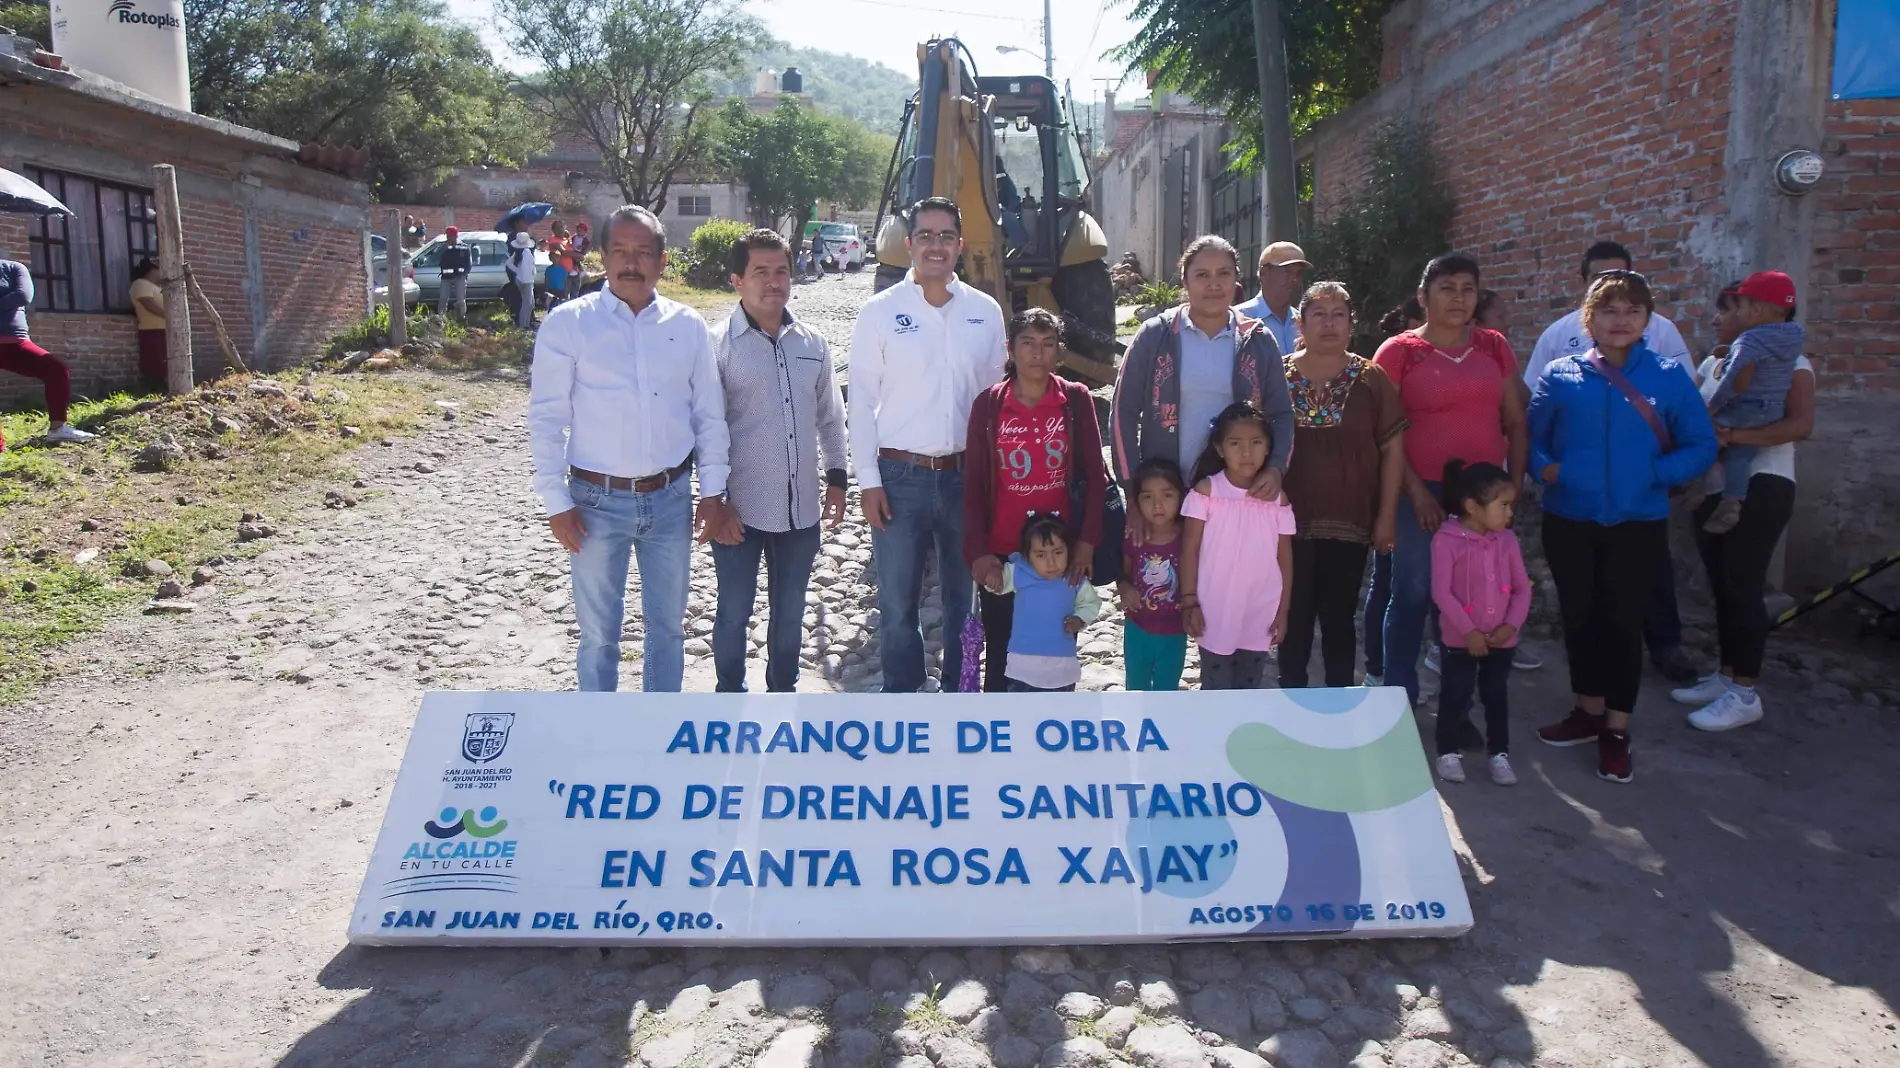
(21, 195)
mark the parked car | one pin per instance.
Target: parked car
(486, 278)
(411, 293)
(844, 246)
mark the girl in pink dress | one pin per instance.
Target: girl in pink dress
(1236, 555)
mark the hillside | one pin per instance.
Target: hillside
(857, 88)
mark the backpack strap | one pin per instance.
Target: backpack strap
(1635, 396)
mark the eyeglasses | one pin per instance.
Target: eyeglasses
(935, 237)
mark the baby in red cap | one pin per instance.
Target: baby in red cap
(1754, 384)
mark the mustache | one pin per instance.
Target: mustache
(631, 276)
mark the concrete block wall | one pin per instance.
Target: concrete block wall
(1562, 122)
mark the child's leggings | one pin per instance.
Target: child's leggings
(1152, 661)
(1242, 669)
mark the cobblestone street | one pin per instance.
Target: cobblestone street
(191, 808)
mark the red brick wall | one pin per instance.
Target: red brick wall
(313, 273)
(1543, 164)
(1852, 316)
(1538, 178)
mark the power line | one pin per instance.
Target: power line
(1088, 50)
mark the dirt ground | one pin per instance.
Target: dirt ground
(190, 808)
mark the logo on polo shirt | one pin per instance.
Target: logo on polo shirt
(905, 324)
(1575, 342)
(977, 322)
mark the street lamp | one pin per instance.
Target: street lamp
(1048, 65)
(1048, 53)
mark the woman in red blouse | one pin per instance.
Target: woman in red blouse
(1455, 380)
(1030, 436)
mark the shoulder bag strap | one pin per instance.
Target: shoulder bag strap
(1635, 396)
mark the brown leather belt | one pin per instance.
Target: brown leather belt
(646, 484)
(952, 462)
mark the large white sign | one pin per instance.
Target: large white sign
(597, 819)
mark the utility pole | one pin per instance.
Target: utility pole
(1048, 44)
(1276, 122)
(171, 267)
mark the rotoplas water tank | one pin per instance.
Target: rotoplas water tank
(139, 43)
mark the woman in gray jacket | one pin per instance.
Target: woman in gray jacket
(1188, 363)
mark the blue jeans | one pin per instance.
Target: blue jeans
(657, 528)
(788, 558)
(1411, 597)
(1662, 622)
(1378, 596)
(926, 510)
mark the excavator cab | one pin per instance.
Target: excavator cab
(1005, 150)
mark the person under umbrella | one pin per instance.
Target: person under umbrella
(19, 355)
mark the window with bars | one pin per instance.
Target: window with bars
(83, 262)
(696, 206)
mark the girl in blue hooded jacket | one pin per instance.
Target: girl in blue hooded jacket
(1611, 431)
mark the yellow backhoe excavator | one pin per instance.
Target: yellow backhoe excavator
(1005, 149)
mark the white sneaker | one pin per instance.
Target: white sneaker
(1707, 689)
(1431, 659)
(1375, 680)
(1451, 767)
(66, 432)
(1731, 710)
(1501, 772)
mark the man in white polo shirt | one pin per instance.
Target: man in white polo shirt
(1567, 337)
(625, 402)
(1662, 622)
(922, 350)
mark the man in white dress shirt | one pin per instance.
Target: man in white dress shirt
(1662, 623)
(922, 350)
(625, 403)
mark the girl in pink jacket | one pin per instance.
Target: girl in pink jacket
(1483, 596)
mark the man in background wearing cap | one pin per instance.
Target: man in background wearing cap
(455, 261)
(1754, 393)
(1662, 622)
(1282, 274)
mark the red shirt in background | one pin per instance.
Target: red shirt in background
(1033, 460)
(1453, 398)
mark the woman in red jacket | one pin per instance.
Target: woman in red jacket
(1031, 436)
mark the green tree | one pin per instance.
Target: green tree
(1205, 49)
(1382, 234)
(793, 156)
(787, 158)
(398, 77)
(631, 77)
(28, 18)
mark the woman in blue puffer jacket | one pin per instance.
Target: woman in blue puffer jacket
(1611, 431)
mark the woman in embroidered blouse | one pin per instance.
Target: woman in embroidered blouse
(1348, 465)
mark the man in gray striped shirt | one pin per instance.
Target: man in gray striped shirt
(783, 410)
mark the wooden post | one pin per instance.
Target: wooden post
(171, 269)
(398, 314)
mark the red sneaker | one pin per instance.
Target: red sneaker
(1613, 756)
(1578, 728)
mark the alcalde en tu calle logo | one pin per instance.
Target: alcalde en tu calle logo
(482, 825)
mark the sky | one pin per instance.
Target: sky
(889, 31)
